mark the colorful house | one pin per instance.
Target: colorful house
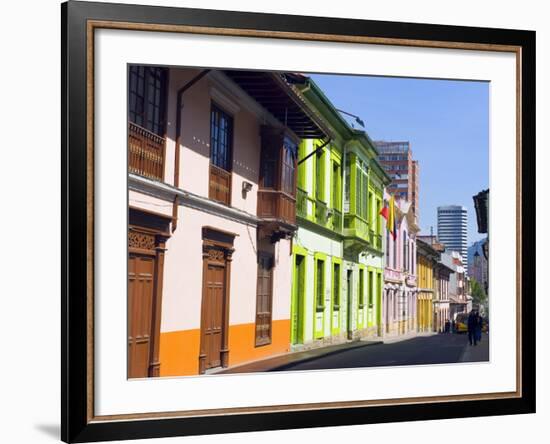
(442, 274)
(212, 213)
(400, 289)
(427, 259)
(458, 300)
(337, 250)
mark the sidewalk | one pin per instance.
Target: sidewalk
(286, 360)
(476, 353)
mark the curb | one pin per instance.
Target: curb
(330, 353)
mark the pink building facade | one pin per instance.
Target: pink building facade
(400, 282)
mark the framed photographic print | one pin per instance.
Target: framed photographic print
(276, 221)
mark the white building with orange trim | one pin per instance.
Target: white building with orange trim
(212, 192)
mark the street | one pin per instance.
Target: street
(419, 350)
(436, 349)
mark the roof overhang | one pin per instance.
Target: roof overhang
(284, 101)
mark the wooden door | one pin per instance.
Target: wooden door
(141, 269)
(214, 314)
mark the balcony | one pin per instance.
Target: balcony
(219, 188)
(336, 221)
(321, 213)
(393, 275)
(277, 206)
(145, 152)
(410, 280)
(356, 234)
(355, 226)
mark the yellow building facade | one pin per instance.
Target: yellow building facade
(427, 258)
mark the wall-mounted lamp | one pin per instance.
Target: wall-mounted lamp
(247, 186)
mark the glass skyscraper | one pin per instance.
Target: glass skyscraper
(452, 230)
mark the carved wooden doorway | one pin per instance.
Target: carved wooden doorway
(147, 235)
(217, 255)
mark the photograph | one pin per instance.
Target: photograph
(299, 221)
(283, 221)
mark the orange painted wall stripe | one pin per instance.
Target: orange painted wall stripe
(179, 353)
(179, 350)
(243, 336)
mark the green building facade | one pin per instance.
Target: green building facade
(338, 259)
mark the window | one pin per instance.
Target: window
(147, 98)
(221, 138)
(288, 167)
(361, 288)
(336, 204)
(264, 298)
(371, 210)
(320, 284)
(387, 248)
(336, 286)
(405, 252)
(362, 190)
(302, 166)
(347, 188)
(320, 176)
(268, 171)
(394, 252)
(378, 216)
(370, 285)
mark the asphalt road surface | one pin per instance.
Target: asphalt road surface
(436, 349)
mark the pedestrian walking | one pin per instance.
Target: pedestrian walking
(447, 325)
(479, 327)
(472, 326)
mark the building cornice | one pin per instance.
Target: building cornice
(319, 229)
(167, 192)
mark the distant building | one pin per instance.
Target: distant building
(442, 275)
(457, 291)
(478, 263)
(433, 241)
(452, 230)
(396, 158)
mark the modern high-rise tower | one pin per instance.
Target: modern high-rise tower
(452, 230)
(396, 158)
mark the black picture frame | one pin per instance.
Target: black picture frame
(76, 424)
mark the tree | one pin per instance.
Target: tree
(478, 293)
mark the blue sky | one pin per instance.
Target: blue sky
(446, 122)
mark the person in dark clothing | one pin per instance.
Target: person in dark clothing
(447, 326)
(472, 326)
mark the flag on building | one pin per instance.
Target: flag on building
(385, 211)
(391, 218)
